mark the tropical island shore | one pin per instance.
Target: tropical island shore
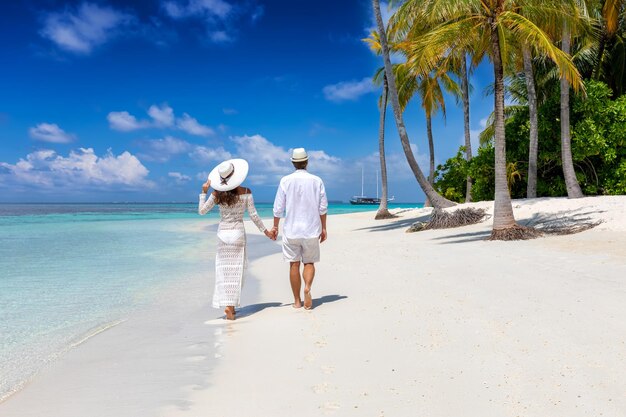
(435, 323)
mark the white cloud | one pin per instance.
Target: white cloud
(202, 175)
(269, 162)
(81, 30)
(220, 36)
(162, 116)
(190, 125)
(161, 150)
(262, 153)
(221, 18)
(180, 178)
(50, 132)
(125, 122)
(398, 167)
(349, 90)
(474, 136)
(80, 169)
(198, 8)
(205, 154)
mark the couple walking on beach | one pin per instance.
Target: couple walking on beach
(300, 198)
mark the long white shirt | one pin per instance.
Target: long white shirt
(303, 197)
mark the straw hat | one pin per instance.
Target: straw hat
(229, 174)
(299, 155)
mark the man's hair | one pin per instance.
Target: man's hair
(301, 164)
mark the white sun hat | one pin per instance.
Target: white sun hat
(229, 174)
(299, 155)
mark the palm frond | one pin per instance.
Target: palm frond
(533, 35)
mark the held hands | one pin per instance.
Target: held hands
(272, 234)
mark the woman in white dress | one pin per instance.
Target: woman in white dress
(230, 258)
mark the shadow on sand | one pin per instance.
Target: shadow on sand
(327, 299)
(255, 308)
(398, 224)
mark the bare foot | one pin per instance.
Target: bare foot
(308, 301)
(297, 303)
(230, 313)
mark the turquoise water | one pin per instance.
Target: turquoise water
(67, 270)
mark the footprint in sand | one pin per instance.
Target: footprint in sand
(320, 388)
(320, 343)
(196, 346)
(311, 357)
(327, 369)
(330, 407)
(196, 358)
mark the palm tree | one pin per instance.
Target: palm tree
(488, 25)
(571, 183)
(428, 86)
(383, 211)
(431, 96)
(466, 123)
(533, 148)
(435, 199)
(402, 25)
(381, 78)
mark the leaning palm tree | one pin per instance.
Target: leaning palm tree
(428, 87)
(487, 25)
(435, 199)
(402, 25)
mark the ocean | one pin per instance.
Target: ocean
(68, 271)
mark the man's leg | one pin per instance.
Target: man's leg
(296, 283)
(308, 275)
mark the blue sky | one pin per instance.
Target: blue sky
(138, 100)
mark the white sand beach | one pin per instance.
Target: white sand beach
(434, 323)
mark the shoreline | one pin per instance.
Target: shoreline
(147, 302)
(455, 315)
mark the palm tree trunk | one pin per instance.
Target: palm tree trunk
(531, 189)
(435, 199)
(503, 210)
(571, 183)
(466, 122)
(383, 211)
(431, 149)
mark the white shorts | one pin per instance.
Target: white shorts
(301, 250)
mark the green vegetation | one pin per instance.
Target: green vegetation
(598, 150)
(560, 60)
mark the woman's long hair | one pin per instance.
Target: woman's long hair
(227, 198)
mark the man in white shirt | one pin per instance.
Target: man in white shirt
(302, 197)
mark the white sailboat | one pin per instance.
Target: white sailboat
(364, 200)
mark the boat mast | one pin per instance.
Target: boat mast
(362, 195)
